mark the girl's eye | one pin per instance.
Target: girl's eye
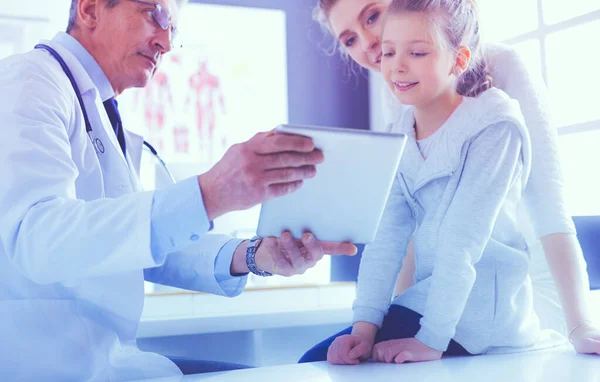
(388, 54)
(349, 42)
(419, 54)
(373, 18)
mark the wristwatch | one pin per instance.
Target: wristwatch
(250, 257)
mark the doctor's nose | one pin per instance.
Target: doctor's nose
(162, 40)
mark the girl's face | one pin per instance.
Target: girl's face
(415, 67)
(358, 26)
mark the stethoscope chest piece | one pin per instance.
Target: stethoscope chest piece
(99, 145)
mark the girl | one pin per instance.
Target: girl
(357, 25)
(458, 188)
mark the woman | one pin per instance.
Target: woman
(357, 26)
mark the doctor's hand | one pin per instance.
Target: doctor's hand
(287, 256)
(267, 166)
(404, 350)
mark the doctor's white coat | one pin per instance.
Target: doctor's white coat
(75, 234)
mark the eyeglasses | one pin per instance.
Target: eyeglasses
(163, 19)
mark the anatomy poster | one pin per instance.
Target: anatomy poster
(228, 82)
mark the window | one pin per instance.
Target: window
(559, 11)
(558, 39)
(500, 21)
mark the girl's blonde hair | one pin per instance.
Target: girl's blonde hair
(456, 24)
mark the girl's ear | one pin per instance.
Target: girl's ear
(463, 59)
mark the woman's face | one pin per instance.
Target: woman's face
(358, 26)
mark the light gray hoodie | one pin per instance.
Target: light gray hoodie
(460, 204)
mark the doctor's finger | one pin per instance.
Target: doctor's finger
(291, 159)
(334, 249)
(314, 250)
(274, 143)
(290, 174)
(281, 189)
(294, 254)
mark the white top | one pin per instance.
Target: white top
(426, 145)
(553, 365)
(545, 187)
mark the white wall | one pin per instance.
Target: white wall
(375, 102)
(24, 23)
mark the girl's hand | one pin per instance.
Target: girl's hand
(404, 350)
(350, 349)
(586, 339)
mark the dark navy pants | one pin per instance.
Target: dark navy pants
(194, 366)
(400, 322)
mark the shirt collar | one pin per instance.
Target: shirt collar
(88, 62)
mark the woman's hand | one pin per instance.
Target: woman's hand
(586, 339)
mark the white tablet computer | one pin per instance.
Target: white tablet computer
(346, 199)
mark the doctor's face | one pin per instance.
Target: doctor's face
(129, 43)
(358, 26)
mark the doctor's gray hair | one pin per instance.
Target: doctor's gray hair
(109, 4)
(456, 23)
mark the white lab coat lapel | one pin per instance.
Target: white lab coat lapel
(135, 144)
(119, 176)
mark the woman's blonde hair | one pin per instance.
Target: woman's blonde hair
(321, 15)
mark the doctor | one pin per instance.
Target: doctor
(78, 236)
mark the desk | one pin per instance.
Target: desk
(560, 364)
(198, 313)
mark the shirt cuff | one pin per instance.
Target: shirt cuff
(231, 285)
(178, 218)
(432, 339)
(367, 314)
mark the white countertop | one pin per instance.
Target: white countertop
(198, 313)
(555, 365)
(194, 313)
(177, 326)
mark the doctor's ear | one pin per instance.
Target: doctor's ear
(87, 13)
(463, 58)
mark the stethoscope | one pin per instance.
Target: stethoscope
(96, 142)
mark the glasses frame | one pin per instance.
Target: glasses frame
(163, 20)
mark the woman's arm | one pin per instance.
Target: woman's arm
(553, 226)
(567, 266)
